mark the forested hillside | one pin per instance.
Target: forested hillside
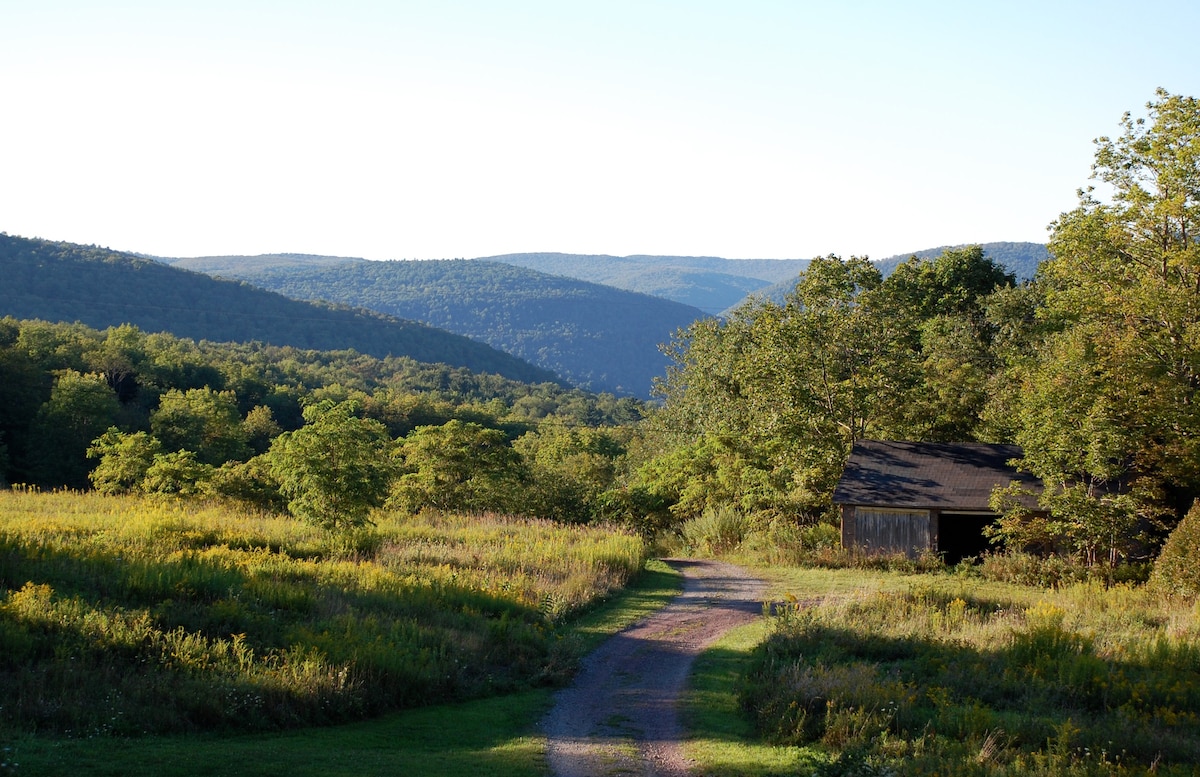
(594, 336)
(709, 283)
(157, 413)
(235, 266)
(101, 288)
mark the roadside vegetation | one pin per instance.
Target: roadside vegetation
(129, 616)
(953, 671)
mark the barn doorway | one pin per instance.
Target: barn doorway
(960, 535)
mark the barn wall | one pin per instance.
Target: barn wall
(848, 526)
(884, 530)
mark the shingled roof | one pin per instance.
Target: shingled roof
(926, 475)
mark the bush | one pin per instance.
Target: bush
(717, 530)
(1176, 572)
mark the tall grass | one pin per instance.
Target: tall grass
(959, 676)
(128, 616)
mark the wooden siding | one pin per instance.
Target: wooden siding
(884, 530)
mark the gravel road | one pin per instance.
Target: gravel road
(620, 717)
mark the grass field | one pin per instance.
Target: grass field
(141, 637)
(493, 736)
(950, 674)
(125, 620)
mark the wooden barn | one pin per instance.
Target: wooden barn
(913, 497)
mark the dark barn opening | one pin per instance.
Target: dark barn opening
(961, 535)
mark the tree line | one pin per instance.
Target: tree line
(121, 410)
(1092, 367)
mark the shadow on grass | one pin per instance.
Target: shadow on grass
(1046, 690)
(472, 739)
(94, 643)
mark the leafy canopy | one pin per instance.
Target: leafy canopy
(336, 468)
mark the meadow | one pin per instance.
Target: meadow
(863, 672)
(144, 636)
(123, 616)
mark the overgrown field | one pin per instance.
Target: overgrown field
(953, 675)
(128, 616)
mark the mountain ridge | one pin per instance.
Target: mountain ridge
(595, 336)
(69, 282)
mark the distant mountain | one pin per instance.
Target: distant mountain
(595, 336)
(1021, 259)
(102, 288)
(231, 266)
(709, 283)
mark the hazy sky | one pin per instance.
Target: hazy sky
(459, 129)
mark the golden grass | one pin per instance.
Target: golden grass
(128, 614)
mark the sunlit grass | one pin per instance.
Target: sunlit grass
(494, 736)
(912, 674)
(131, 616)
(721, 740)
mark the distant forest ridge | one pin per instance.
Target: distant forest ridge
(595, 336)
(715, 285)
(597, 321)
(709, 283)
(67, 282)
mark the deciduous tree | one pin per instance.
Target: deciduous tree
(336, 468)
(1110, 405)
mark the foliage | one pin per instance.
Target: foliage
(202, 421)
(568, 470)
(1176, 572)
(80, 407)
(716, 531)
(227, 402)
(761, 409)
(336, 468)
(124, 460)
(121, 616)
(177, 472)
(457, 466)
(1102, 408)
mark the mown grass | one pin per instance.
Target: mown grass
(128, 617)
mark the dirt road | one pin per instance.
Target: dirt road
(620, 717)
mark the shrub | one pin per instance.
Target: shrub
(1176, 572)
(717, 530)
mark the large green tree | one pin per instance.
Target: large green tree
(80, 407)
(336, 468)
(766, 404)
(202, 421)
(1108, 413)
(458, 466)
(945, 301)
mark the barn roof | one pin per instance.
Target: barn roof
(942, 476)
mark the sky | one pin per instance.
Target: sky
(426, 130)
